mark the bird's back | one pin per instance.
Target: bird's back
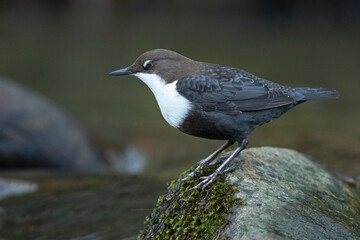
(233, 90)
(230, 102)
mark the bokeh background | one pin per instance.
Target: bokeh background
(64, 50)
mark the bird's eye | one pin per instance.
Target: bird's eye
(148, 64)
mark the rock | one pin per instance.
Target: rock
(275, 194)
(288, 196)
(11, 187)
(34, 133)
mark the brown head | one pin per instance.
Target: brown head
(169, 65)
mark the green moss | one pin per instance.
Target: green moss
(197, 214)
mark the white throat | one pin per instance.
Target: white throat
(173, 106)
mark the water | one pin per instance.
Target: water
(11, 187)
(79, 206)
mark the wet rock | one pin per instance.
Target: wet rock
(34, 133)
(286, 196)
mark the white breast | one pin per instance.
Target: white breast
(173, 106)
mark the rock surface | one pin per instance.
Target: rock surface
(287, 196)
(34, 133)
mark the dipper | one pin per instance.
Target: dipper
(213, 101)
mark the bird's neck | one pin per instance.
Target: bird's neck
(173, 106)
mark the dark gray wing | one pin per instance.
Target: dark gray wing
(232, 95)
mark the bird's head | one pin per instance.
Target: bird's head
(166, 64)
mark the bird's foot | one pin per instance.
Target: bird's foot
(230, 169)
(193, 173)
(207, 180)
(202, 165)
(185, 178)
(206, 162)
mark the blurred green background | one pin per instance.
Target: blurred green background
(64, 50)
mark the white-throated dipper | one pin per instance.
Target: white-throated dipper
(213, 101)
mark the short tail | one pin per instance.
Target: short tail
(303, 94)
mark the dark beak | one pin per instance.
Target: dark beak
(124, 71)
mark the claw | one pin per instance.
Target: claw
(186, 177)
(189, 175)
(207, 180)
(230, 169)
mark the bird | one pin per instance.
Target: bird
(213, 101)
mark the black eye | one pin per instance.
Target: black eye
(148, 64)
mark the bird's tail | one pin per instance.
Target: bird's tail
(303, 94)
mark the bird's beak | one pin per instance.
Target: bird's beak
(124, 71)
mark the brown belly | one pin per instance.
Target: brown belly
(199, 125)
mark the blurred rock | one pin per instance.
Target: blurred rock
(34, 133)
(286, 195)
(11, 187)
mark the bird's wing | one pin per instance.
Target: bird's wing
(232, 95)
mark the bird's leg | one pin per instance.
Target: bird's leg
(230, 169)
(204, 162)
(209, 179)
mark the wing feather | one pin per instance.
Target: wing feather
(233, 95)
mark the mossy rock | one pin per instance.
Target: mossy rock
(272, 194)
(191, 214)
